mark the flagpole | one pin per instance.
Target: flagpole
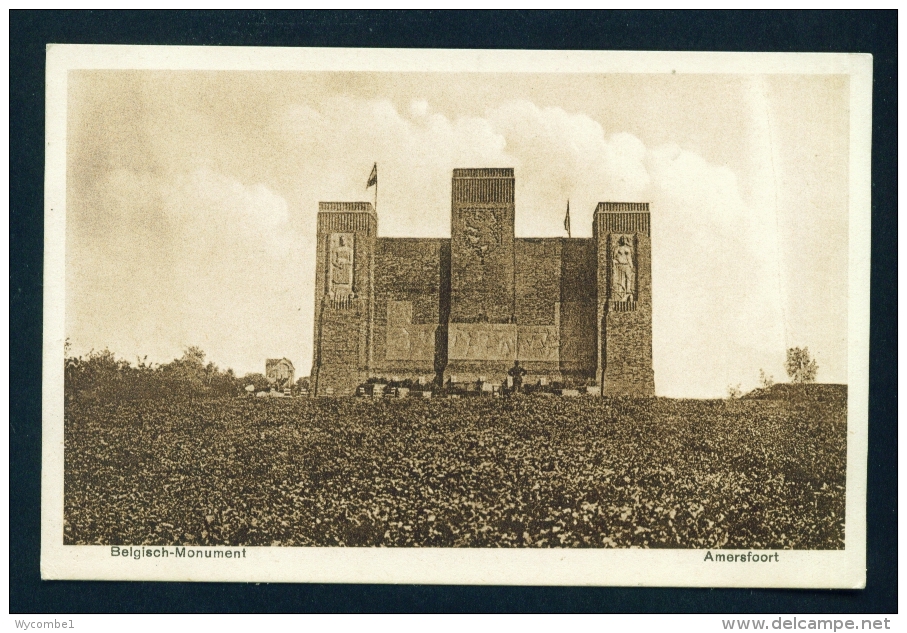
(376, 188)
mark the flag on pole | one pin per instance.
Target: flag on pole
(567, 220)
(373, 177)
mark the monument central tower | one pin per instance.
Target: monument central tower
(482, 332)
(481, 249)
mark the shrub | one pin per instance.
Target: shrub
(800, 366)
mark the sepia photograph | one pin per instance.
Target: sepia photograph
(451, 316)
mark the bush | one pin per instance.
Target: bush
(800, 366)
(101, 377)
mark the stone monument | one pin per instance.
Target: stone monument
(464, 309)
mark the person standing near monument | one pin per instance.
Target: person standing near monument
(516, 372)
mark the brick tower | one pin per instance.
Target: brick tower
(344, 296)
(623, 241)
(482, 334)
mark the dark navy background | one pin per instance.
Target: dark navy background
(30, 31)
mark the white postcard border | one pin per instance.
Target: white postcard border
(627, 567)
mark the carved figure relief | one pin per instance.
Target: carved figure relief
(506, 347)
(623, 268)
(482, 341)
(460, 343)
(410, 342)
(340, 269)
(482, 230)
(406, 340)
(540, 342)
(399, 344)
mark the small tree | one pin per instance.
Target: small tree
(800, 366)
(765, 381)
(258, 380)
(734, 392)
(188, 376)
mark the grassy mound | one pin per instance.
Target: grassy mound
(792, 392)
(523, 472)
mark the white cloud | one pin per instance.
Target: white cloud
(237, 283)
(715, 304)
(221, 211)
(200, 258)
(560, 155)
(418, 107)
(415, 154)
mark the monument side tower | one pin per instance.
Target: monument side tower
(482, 333)
(344, 296)
(623, 240)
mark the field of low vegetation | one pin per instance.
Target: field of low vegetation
(527, 471)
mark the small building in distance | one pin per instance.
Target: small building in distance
(280, 373)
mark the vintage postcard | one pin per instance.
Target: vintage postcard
(466, 317)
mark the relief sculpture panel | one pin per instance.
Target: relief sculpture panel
(340, 268)
(411, 342)
(539, 342)
(406, 340)
(623, 268)
(482, 230)
(482, 341)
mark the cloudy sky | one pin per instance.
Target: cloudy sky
(192, 199)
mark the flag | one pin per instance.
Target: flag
(567, 220)
(373, 177)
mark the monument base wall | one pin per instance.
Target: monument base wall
(628, 350)
(340, 357)
(412, 295)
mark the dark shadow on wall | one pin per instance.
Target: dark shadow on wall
(443, 314)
